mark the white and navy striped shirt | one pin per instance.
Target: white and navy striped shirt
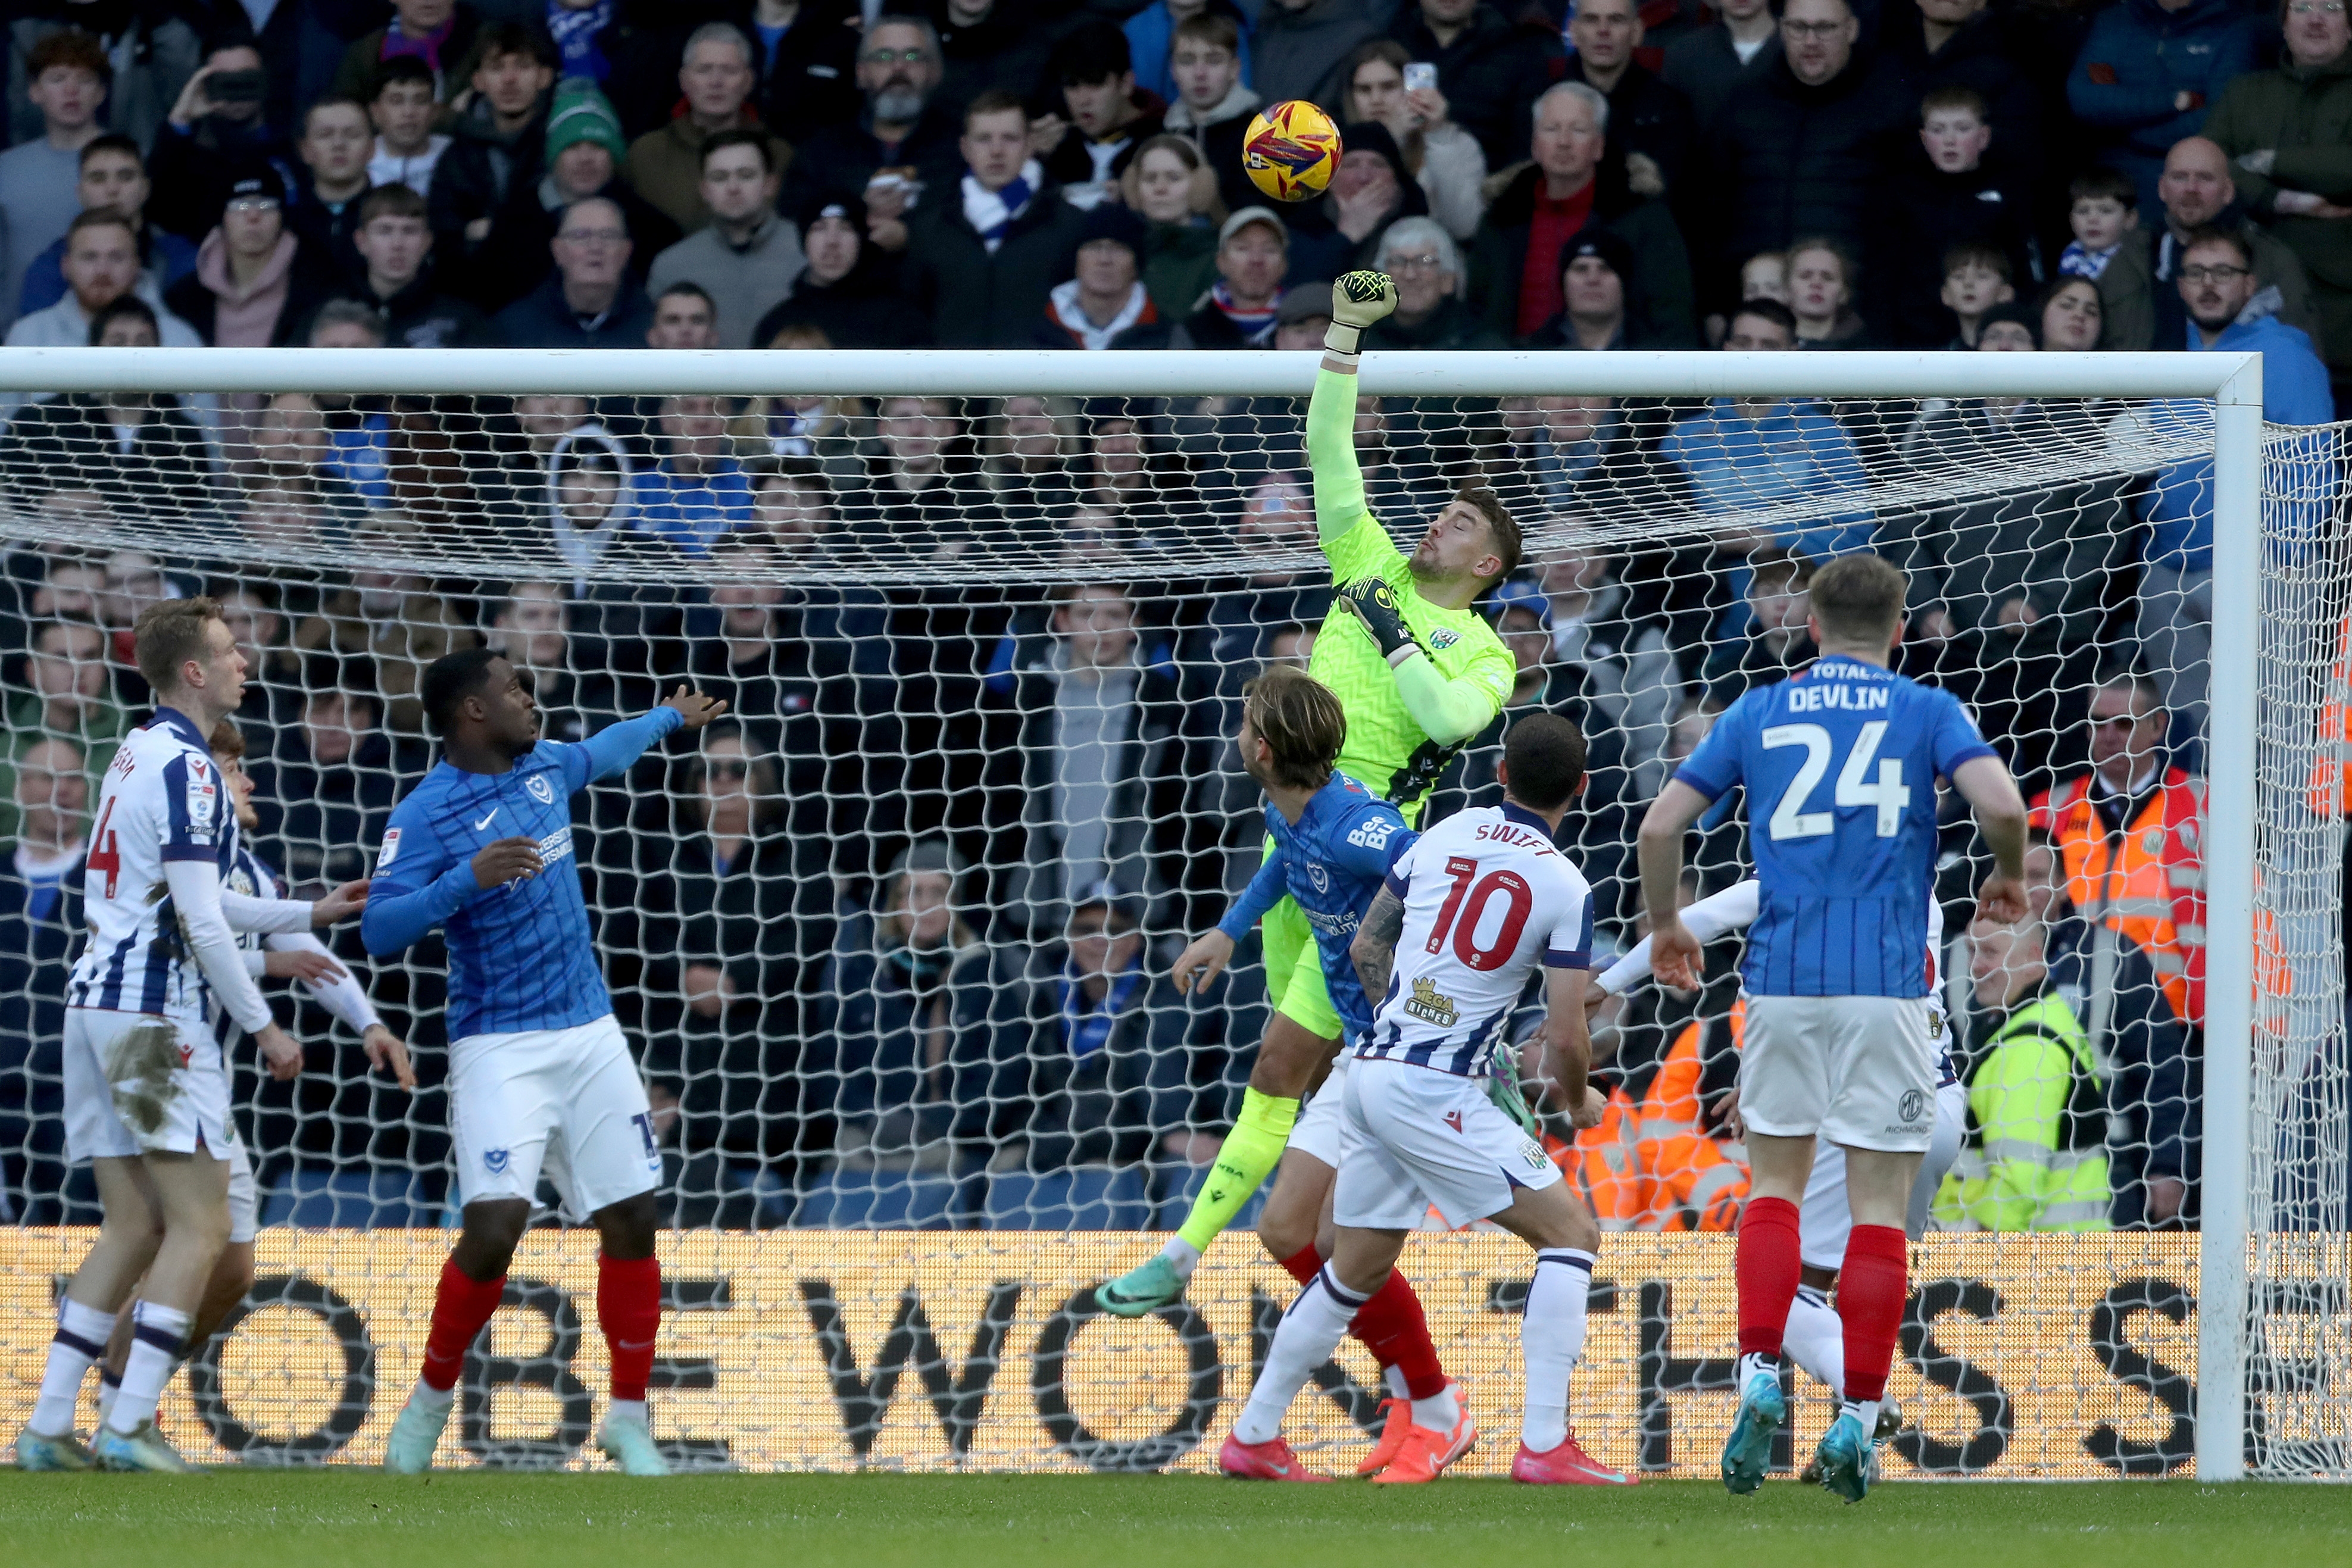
(162, 801)
(1486, 899)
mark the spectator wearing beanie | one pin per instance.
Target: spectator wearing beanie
(716, 75)
(1106, 305)
(584, 148)
(746, 257)
(1600, 285)
(252, 287)
(1371, 189)
(850, 290)
(2013, 326)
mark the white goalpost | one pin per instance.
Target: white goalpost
(935, 609)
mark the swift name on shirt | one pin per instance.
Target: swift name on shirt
(1804, 699)
(1511, 836)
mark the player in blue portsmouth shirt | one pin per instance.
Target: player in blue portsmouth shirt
(540, 1076)
(1841, 766)
(1334, 844)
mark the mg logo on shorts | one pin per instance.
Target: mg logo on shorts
(496, 1159)
(540, 790)
(1912, 1105)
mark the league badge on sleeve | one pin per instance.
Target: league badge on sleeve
(384, 857)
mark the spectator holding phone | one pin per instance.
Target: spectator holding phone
(213, 135)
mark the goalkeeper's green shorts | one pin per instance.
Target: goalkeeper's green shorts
(1294, 971)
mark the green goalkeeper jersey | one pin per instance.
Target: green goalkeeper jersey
(1387, 749)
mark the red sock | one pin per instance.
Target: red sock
(460, 1307)
(1771, 1267)
(1394, 1329)
(1872, 1289)
(1391, 1324)
(628, 1308)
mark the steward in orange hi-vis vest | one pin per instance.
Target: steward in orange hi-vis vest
(1652, 1164)
(2146, 879)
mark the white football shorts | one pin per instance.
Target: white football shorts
(1319, 1132)
(143, 1083)
(244, 1194)
(568, 1101)
(1827, 1219)
(1857, 1070)
(1416, 1137)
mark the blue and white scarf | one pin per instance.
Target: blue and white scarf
(576, 34)
(991, 213)
(1086, 1025)
(2076, 261)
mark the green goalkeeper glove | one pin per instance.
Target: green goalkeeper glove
(1503, 1087)
(1372, 602)
(1357, 300)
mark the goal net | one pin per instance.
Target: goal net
(891, 941)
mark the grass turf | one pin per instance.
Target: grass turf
(234, 1518)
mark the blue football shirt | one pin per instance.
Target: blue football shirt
(521, 955)
(1331, 864)
(1840, 765)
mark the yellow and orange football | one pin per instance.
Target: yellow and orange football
(1291, 151)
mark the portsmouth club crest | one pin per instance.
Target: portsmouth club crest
(496, 1159)
(540, 790)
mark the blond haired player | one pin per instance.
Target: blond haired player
(1468, 915)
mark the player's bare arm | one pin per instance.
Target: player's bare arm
(387, 1052)
(1568, 1043)
(695, 708)
(340, 905)
(1374, 951)
(1673, 951)
(1201, 962)
(1984, 782)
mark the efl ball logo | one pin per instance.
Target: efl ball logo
(1291, 151)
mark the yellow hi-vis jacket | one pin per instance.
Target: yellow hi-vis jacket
(2036, 1156)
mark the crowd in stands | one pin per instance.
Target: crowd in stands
(903, 915)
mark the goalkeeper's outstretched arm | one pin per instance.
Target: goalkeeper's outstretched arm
(1448, 711)
(1357, 300)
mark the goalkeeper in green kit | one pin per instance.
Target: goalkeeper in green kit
(1419, 673)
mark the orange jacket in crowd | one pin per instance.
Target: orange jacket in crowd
(2148, 882)
(2331, 768)
(1649, 1165)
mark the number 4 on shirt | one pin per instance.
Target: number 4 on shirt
(1890, 794)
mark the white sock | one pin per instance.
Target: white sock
(1864, 1411)
(1182, 1254)
(1318, 1320)
(1815, 1339)
(1749, 1365)
(157, 1335)
(1551, 1341)
(426, 1396)
(1440, 1413)
(80, 1341)
(1393, 1377)
(109, 1385)
(628, 1410)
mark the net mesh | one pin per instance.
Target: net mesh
(891, 943)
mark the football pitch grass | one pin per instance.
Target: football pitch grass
(236, 1518)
